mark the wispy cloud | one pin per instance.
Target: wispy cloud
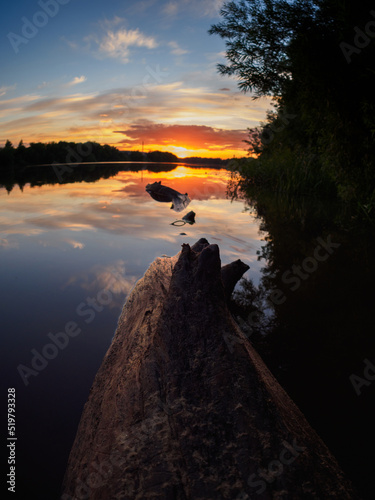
(71, 43)
(140, 7)
(209, 8)
(111, 23)
(206, 8)
(57, 84)
(118, 44)
(22, 100)
(8, 245)
(76, 80)
(113, 278)
(64, 103)
(170, 9)
(4, 89)
(176, 49)
(96, 115)
(189, 104)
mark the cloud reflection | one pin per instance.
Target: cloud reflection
(113, 278)
(118, 215)
(7, 244)
(75, 244)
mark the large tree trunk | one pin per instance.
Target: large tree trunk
(184, 408)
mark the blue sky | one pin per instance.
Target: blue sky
(121, 73)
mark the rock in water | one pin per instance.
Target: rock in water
(183, 407)
(189, 217)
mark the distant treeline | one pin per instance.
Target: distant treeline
(41, 164)
(196, 160)
(39, 153)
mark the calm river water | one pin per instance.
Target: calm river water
(71, 252)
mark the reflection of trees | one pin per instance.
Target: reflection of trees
(65, 174)
(321, 330)
(293, 227)
(76, 172)
(22, 165)
(38, 176)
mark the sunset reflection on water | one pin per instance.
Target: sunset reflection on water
(119, 213)
(61, 247)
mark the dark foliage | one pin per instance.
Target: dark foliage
(53, 153)
(317, 59)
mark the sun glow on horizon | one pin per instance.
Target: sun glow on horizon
(184, 152)
(133, 103)
(180, 151)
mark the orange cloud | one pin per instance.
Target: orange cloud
(220, 117)
(191, 138)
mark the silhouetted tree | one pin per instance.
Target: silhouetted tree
(162, 156)
(317, 59)
(7, 155)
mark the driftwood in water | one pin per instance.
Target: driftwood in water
(165, 194)
(184, 408)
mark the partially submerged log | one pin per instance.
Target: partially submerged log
(165, 194)
(183, 407)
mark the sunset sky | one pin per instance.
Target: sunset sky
(121, 73)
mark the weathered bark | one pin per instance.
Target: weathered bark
(184, 408)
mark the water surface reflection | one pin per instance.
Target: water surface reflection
(318, 280)
(70, 254)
